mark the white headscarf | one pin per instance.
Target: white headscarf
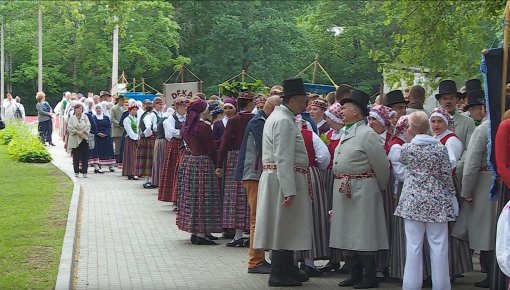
(86, 106)
(105, 106)
(101, 114)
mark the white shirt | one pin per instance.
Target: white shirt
(454, 147)
(398, 168)
(9, 108)
(154, 119)
(319, 124)
(129, 130)
(322, 156)
(503, 240)
(148, 121)
(225, 121)
(170, 126)
(383, 137)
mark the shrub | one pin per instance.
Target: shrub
(23, 143)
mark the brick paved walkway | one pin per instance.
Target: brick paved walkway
(129, 240)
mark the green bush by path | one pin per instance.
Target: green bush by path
(34, 201)
(23, 144)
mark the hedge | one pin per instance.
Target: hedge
(23, 143)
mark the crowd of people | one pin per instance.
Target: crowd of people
(392, 190)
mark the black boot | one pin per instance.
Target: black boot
(291, 269)
(486, 260)
(369, 279)
(278, 276)
(355, 270)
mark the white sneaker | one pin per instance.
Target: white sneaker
(84, 175)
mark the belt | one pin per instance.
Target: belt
(345, 180)
(297, 169)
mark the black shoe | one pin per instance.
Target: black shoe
(262, 269)
(330, 266)
(367, 283)
(236, 243)
(246, 242)
(203, 241)
(312, 272)
(343, 270)
(51, 144)
(349, 282)
(98, 171)
(486, 283)
(148, 185)
(275, 281)
(111, 169)
(130, 177)
(299, 275)
(228, 235)
(193, 239)
(211, 237)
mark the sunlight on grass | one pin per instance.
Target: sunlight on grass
(34, 200)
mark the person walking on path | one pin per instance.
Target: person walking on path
(174, 152)
(79, 129)
(361, 171)
(284, 221)
(199, 200)
(130, 143)
(44, 116)
(426, 204)
(235, 207)
(117, 129)
(248, 171)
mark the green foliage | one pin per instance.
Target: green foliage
(23, 144)
(233, 89)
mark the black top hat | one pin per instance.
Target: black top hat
(447, 87)
(293, 87)
(472, 85)
(475, 98)
(104, 93)
(359, 98)
(395, 97)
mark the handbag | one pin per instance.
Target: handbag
(91, 141)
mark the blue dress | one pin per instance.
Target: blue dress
(104, 146)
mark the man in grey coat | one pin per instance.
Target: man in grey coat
(284, 221)
(117, 130)
(361, 171)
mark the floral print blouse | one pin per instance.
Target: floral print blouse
(428, 185)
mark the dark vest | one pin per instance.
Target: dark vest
(160, 134)
(142, 124)
(178, 124)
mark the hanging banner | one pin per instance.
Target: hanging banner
(173, 90)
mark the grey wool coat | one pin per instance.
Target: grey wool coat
(358, 223)
(278, 227)
(463, 128)
(478, 219)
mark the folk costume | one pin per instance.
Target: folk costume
(398, 238)
(104, 144)
(361, 171)
(321, 107)
(93, 156)
(220, 125)
(318, 161)
(145, 153)
(130, 144)
(285, 170)
(426, 205)
(159, 149)
(249, 169)
(235, 206)
(174, 152)
(459, 255)
(199, 198)
(117, 129)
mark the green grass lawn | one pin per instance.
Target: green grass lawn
(34, 200)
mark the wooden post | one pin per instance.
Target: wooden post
(182, 73)
(504, 73)
(143, 85)
(315, 68)
(39, 42)
(243, 75)
(115, 57)
(134, 85)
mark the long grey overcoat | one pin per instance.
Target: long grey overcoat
(480, 217)
(278, 227)
(358, 223)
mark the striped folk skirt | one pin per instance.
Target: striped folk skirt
(158, 159)
(168, 179)
(144, 156)
(383, 256)
(129, 157)
(236, 214)
(199, 198)
(320, 218)
(398, 242)
(335, 255)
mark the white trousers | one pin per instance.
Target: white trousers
(437, 235)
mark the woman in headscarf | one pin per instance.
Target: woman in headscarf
(90, 113)
(130, 144)
(104, 143)
(380, 120)
(230, 109)
(398, 238)
(440, 122)
(199, 198)
(174, 151)
(131, 103)
(79, 129)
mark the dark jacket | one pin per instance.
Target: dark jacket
(249, 165)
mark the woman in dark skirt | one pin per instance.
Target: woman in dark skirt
(103, 138)
(174, 151)
(199, 197)
(130, 144)
(44, 116)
